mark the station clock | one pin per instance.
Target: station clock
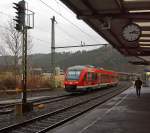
(131, 32)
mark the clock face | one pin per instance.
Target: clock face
(131, 32)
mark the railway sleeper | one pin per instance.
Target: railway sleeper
(45, 122)
(35, 127)
(15, 131)
(27, 130)
(40, 124)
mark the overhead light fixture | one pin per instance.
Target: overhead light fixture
(144, 43)
(145, 32)
(136, 0)
(144, 38)
(129, 0)
(142, 46)
(138, 11)
(143, 24)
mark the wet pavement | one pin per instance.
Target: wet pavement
(125, 113)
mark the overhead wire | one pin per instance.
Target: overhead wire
(57, 47)
(35, 38)
(58, 5)
(63, 6)
(60, 28)
(67, 20)
(30, 35)
(67, 33)
(45, 42)
(64, 31)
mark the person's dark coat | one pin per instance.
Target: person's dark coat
(138, 83)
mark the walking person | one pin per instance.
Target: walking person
(137, 85)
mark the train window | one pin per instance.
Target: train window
(84, 78)
(94, 76)
(89, 76)
(105, 77)
(73, 75)
(99, 77)
(102, 78)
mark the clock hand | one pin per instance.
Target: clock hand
(133, 32)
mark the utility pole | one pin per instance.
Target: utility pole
(53, 45)
(53, 52)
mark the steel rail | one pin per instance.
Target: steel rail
(77, 115)
(4, 107)
(25, 123)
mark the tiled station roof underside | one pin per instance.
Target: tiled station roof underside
(109, 17)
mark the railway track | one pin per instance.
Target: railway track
(42, 100)
(50, 120)
(5, 107)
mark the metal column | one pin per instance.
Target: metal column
(53, 46)
(53, 82)
(24, 66)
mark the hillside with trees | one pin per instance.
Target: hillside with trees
(104, 57)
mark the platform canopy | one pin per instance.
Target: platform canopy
(119, 22)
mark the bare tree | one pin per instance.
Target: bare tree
(13, 44)
(4, 53)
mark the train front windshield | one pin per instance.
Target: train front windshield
(73, 75)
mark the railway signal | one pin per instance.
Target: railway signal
(22, 25)
(20, 18)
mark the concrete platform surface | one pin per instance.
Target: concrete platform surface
(125, 113)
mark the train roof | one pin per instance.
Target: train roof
(79, 67)
(126, 73)
(89, 67)
(107, 71)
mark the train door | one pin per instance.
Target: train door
(85, 79)
(94, 78)
(99, 78)
(102, 78)
(110, 78)
(89, 83)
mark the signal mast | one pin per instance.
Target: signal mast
(24, 20)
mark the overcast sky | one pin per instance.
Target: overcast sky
(66, 34)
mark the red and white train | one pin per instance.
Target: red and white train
(85, 78)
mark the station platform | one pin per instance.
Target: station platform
(125, 113)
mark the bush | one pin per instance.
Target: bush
(8, 83)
